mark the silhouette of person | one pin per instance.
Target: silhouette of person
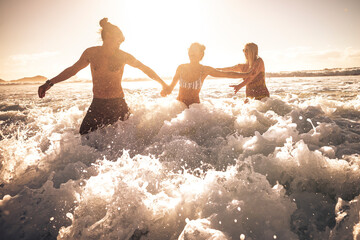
(255, 82)
(192, 75)
(107, 66)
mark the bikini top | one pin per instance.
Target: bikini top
(196, 85)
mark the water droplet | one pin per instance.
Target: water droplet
(69, 215)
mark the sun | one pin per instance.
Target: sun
(158, 33)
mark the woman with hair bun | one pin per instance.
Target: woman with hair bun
(255, 82)
(192, 75)
(107, 64)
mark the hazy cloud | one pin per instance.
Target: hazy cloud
(307, 58)
(326, 54)
(353, 53)
(307, 53)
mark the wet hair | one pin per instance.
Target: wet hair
(252, 52)
(197, 50)
(111, 30)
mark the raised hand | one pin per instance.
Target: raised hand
(236, 88)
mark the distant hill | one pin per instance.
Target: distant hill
(317, 73)
(34, 79)
(30, 79)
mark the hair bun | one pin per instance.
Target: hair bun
(103, 22)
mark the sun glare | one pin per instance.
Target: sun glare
(157, 37)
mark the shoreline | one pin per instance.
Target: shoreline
(335, 72)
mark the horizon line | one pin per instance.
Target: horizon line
(169, 77)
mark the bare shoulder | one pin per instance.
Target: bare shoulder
(258, 66)
(261, 64)
(125, 54)
(129, 59)
(259, 60)
(207, 69)
(91, 50)
(182, 66)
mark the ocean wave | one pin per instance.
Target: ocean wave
(283, 168)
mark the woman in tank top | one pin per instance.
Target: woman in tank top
(191, 76)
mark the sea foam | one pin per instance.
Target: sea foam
(286, 167)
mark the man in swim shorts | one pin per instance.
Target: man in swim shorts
(107, 64)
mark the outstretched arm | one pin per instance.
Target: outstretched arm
(66, 74)
(175, 79)
(236, 68)
(217, 73)
(132, 61)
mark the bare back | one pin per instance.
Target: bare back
(191, 73)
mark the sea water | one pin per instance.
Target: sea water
(286, 167)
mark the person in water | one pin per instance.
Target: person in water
(107, 66)
(255, 82)
(192, 75)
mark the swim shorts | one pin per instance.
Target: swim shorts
(104, 112)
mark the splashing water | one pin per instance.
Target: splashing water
(283, 168)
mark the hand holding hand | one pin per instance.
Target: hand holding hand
(236, 88)
(165, 91)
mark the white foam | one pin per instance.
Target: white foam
(221, 168)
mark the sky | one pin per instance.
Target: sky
(43, 37)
